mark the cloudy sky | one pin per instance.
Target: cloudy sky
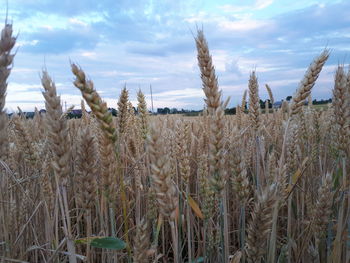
(143, 42)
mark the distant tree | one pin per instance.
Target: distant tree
(262, 104)
(113, 111)
(270, 104)
(320, 102)
(166, 110)
(230, 111)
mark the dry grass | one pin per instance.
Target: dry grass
(255, 187)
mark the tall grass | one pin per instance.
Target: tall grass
(259, 186)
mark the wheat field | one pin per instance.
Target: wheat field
(253, 187)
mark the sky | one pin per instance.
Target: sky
(140, 43)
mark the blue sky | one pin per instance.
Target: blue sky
(151, 42)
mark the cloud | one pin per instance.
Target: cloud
(261, 4)
(60, 41)
(150, 42)
(246, 24)
(316, 20)
(240, 8)
(147, 49)
(179, 94)
(232, 67)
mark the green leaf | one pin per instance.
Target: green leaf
(198, 260)
(282, 258)
(85, 240)
(157, 230)
(109, 243)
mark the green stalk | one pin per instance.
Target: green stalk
(175, 241)
(179, 226)
(112, 222)
(124, 206)
(273, 236)
(242, 230)
(337, 244)
(289, 228)
(225, 225)
(188, 228)
(205, 250)
(347, 209)
(125, 217)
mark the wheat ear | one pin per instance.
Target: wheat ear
(143, 114)
(260, 224)
(209, 79)
(141, 243)
(58, 130)
(341, 107)
(269, 91)
(123, 110)
(254, 104)
(87, 169)
(7, 42)
(165, 188)
(308, 82)
(93, 99)
(323, 206)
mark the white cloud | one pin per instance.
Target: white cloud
(22, 71)
(76, 21)
(220, 59)
(27, 43)
(89, 54)
(261, 4)
(179, 94)
(233, 8)
(245, 24)
(258, 5)
(15, 88)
